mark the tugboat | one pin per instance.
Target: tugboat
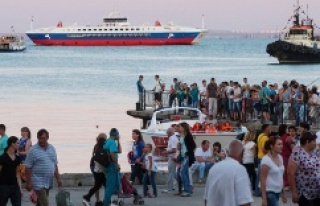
(299, 44)
(11, 43)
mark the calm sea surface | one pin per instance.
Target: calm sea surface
(77, 92)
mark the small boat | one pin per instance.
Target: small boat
(299, 44)
(12, 43)
(116, 31)
(156, 131)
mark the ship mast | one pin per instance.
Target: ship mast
(296, 15)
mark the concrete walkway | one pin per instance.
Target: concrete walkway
(161, 200)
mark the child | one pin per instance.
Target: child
(150, 171)
(178, 160)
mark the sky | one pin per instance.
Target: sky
(231, 15)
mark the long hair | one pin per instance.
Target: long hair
(140, 137)
(100, 142)
(282, 129)
(186, 129)
(11, 140)
(26, 129)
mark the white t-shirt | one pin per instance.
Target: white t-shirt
(172, 144)
(200, 153)
(237, 91)
(146, 162)
(227, 184)
(315, 99)
(158, 87)
(203, 90)
(230, 91)
(248, 155)
(274, 182)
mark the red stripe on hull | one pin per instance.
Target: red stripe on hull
(185, 41)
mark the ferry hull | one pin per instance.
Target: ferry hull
(115, 39)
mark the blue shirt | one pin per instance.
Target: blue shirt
(111, 146)
(263, 95)
(137, 150)
(3, 143)
(42, 163)
(139, 86)
(194, 94)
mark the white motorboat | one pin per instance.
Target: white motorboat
(156, 131)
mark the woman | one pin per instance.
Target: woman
(218, 153)
(314, 102)
(137, 153)
(10, 181)
(272, 170)
(187, 152)
(288, 145)
(248, 156)
(25, 144)
(304, 172)
(98, 175)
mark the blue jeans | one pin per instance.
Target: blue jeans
(273, 198)
(230, 105)
(303, 114)
(151, 179)
(112, 184)
(257, 190)
(297, 108)
(201, 167)
(185, 175)
(195, 104)
(178, 178)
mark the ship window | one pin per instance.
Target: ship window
(106, 29)
(100, 29)
(132, 29)
(121, 29)
(79, 29)
(111, 29)
(89, 29)
(298, 31)
(127, 29)
(84, 30)
(95, 30)
(137, 29)
(116, 29)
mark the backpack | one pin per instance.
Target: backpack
(102, 157)
(63, 198)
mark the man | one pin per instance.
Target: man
(237, 106)
(41, 166)
(228, 182)
(204, 160)
(3, 139)
(245, 82)
(140, 89)
(261, 141)
(171, 151)
(212, 96)
(173, 91)
(112, 171)
(303, 128)
(265, 98)
(230, 96)
(158, 90)
(203, 89)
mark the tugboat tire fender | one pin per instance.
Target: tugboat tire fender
(285, 46)
(293, 48)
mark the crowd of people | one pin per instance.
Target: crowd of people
(288, 160)
(242, 101)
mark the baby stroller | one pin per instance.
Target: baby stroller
(127, 191)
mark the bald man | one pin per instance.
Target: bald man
(228, 182)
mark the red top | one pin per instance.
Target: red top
(287, 142)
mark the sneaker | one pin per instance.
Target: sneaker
(185, 194)
(86, 201)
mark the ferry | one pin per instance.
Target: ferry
(116, 31)
(11, 43)
(299, 44)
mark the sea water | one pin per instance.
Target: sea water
(77, 92)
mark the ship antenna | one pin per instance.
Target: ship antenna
(203, 25)
(31, 23)
(307, 11)
(12, 29)
(297, 21)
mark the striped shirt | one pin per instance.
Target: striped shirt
(42, 164)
